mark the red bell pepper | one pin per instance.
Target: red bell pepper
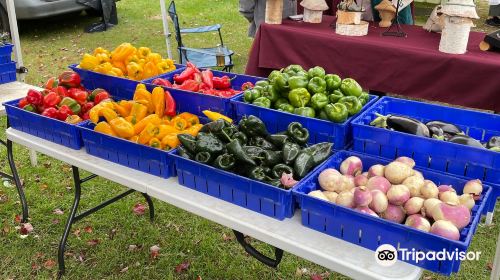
(162, 82)
(185, 75)
(63, 112)
(170, 106)
(197, 77)
(62, 91)
(191, 65)
(69, 79)
(223, 82)
(79, 95)
(207, 77)
(101, 96)
(34, 97)
(50, 112)
(247, 85)
(86, 116)
(94, 93)
(51, 83)
(190, 85)
(23, 102)
(87, 106)
(51, 100)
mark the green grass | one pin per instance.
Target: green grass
(48, 47)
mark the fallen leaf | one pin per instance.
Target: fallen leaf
(227, 237)
(43, 187)
(39, 255)
(17, 219)
(77, 232)
(37, 178)
(55, 221)
(47, 164)
(182, 267)
(154, 251)
(489, 266)
(93, 242)
(3, 197)
(34, 266)
(132, 247)
(26, 229)
(139, 209)
(301, 271)
(49, 264)
(316, 277)
(88, 229)
(58, 211)
(198, 277)
(123, 270)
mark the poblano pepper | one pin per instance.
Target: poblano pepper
(332, 82)
(298, 82)
(206, 142)
(316, 72)
(305, 111)
(235, 148)
(286, 108)
(278, 140)
(188, 142)
(261, 142)
(319, 101)
(350, 87)
(299, 97)
(310, 157)
(183, 152)
(253, 126)
(364, 98)
(241, 137)
(290, 152)
(204, 157)
(336, 112)
(316, 85)
(273, 182)
(255, 153)
(278, 170)
(320, 152)
(262, 102)
(298, 133)
(225, 161)
(352, 103)
(257, 173)
(335, 96)
(272, 158)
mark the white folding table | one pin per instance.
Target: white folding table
(288, 235)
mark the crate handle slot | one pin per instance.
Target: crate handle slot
(278, 253)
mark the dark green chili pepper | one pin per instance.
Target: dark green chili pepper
(278, 140)
(257, 173)
(188, 141)
(290, 152)
(273, 182)
(241, 137)
(298, 133)
(234, 147)
(206, 142)
(281, 168)
(255, 153)
(320, 152)
(272, 157)
(203, 157)
(183, 152)
(253, 126)
(214, 127)
(261, 142)
(225, 161)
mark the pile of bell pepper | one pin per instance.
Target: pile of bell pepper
(202, 81)
(127, 61)
(63, 98)
(248, 149)
(149, 119)
(311, 93)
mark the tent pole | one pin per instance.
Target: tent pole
(166, 32)
(14, 34)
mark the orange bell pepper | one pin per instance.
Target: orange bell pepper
(179, 123)
(165, 129)
(122, 52)
(139, 127)
(155, 143)
(149, 132)
(192, 119)
(170, 141)
(104, 127)
(137, 113)
(122, 127)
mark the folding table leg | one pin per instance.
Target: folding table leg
(278, 253)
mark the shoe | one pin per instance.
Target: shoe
(494, 21)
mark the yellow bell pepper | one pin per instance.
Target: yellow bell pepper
(122, 127)
(155, 143)
(143, 52)
(132, 58)
(165, 129)
(134, 71)
(141, 95)
(154, 57)
(73, 119)
(122, 111)
(95, 112)
(137, 113)
(134, 138)
(140, 86)
(104, 68)
(170, 141)
(104, 127)
(158, 99)
(101, 50)
(179, 123)
(139, 126)
(192, 119)
(126, 104)
(89, 62)
(163, 67)
(102, 57)
(213, 116)
(149, 70)
(193, 130)
(122, 52)
(120, 65)
(108, 114)
(149, 132)
(117, 72)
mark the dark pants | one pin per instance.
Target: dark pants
(495, 11)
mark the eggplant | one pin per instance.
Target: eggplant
(448, 128)
(493, 142)
(401, 124)
(466, 140)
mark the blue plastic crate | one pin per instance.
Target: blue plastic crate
(6, 53)
(371, 232)
(215, 103)
(462, 160)
(140, 157)
(7, 72)
(118, 87)
(47, 128)
(320, 130)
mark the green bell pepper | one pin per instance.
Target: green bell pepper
(290, 152)
(204, 157)
(280, 101)
(286, 108)
(183, 152)
(251, 94)
(293, 69)
(278, 140)
(322, 115)
(280, 82)
(234, 147)
(299, 97)
(350, 87)
(352, 103)
(262, 83)
(257, 173)
(72, 104)
(206, 142)
(253, 126)
(261, 142)
(271, 93)
(316, 72)
(262, 102)
(281, 168)
(336, 112)
(298, 133)
(319, 101)
(297, 82)
(316, 85)
(305, 111)
(188, 141)
(273, 75)
(332, 82)
(225, 162)
(364, 98)
(335, 96)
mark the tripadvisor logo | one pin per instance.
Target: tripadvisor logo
(387, 255)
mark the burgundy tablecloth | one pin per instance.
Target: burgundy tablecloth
(410, 66)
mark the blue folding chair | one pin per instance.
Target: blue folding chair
(201, 57)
